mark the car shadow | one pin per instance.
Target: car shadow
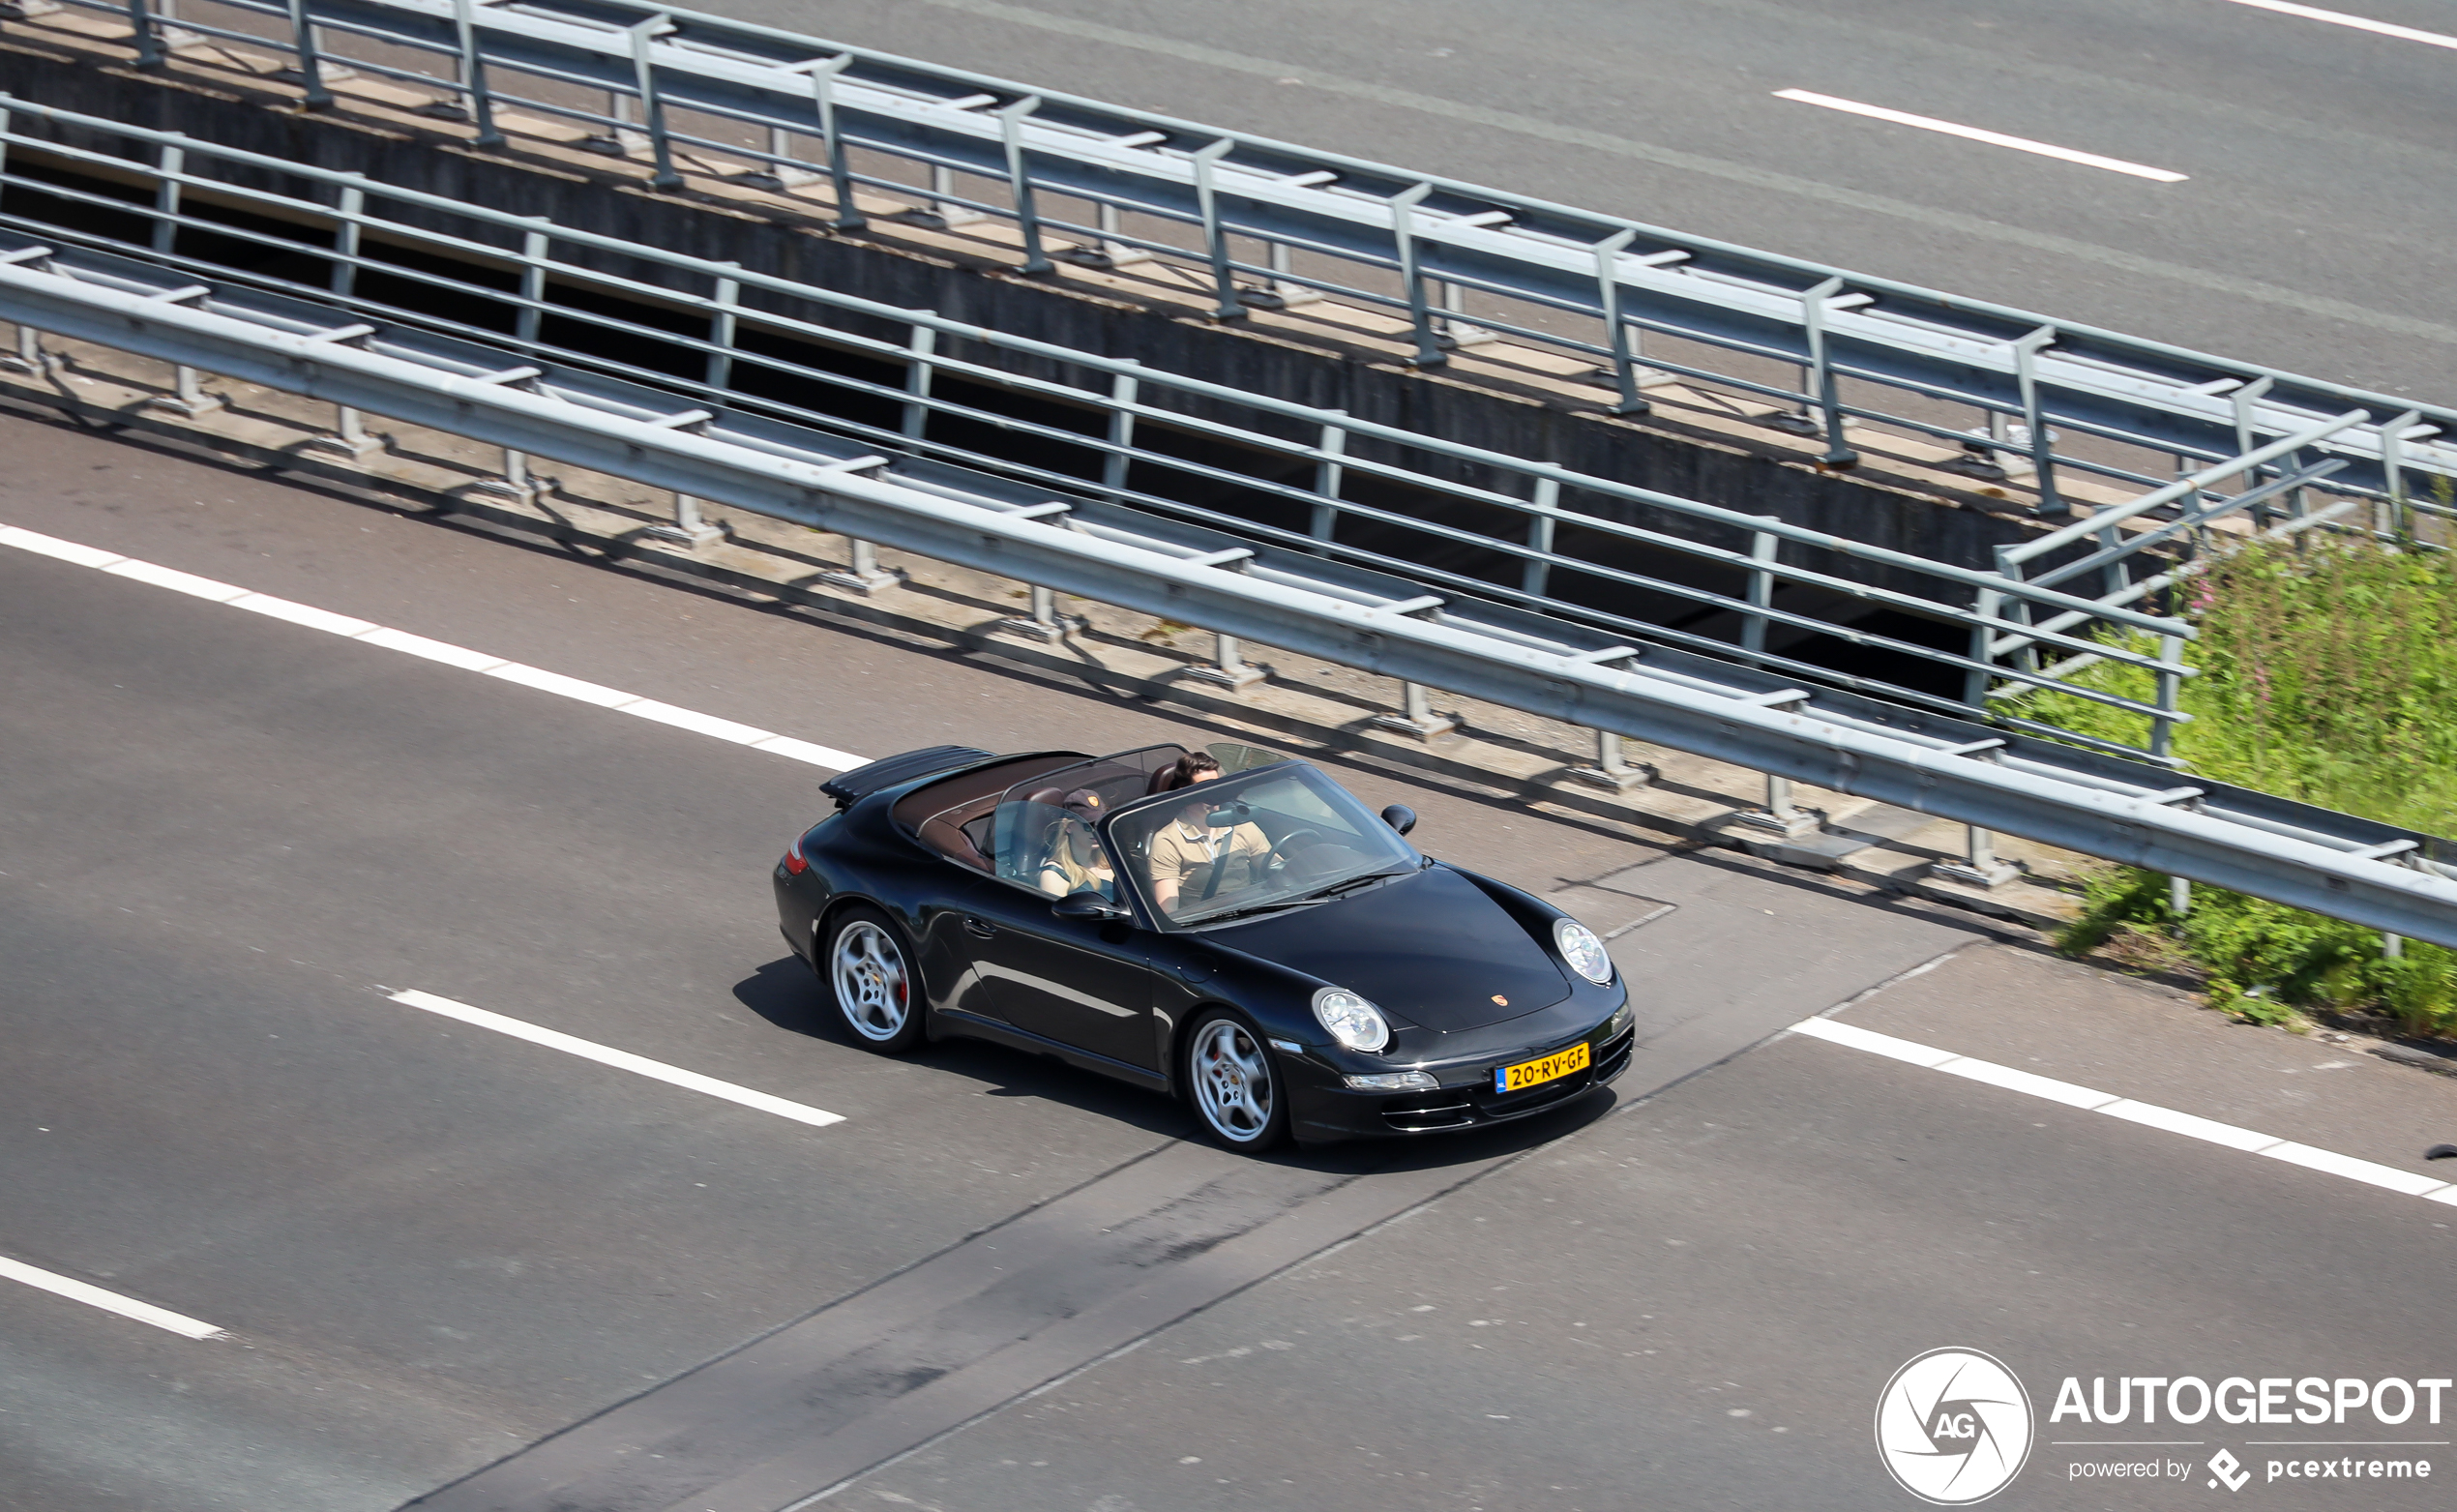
(785, 993)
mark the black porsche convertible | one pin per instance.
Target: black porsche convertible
(1229, 925)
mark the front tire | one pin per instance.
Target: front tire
(868, 970)
(1239, 1096)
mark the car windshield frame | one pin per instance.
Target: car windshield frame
(1123, 831)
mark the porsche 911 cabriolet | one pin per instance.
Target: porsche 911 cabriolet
(1229, 925)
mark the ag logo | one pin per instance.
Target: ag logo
(1954, 1425)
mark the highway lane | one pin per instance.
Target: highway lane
(2313, 231)
(433, 1245)
(1695, 1303)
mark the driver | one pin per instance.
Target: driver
(1192, 861)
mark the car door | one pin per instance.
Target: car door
(1082, 982)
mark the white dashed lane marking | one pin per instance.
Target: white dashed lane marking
(2148, 1115)
(109, 1301)
(1929, 123)
(619, 1059)
(2361, 24)
(368, 633)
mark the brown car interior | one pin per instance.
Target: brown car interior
(953, 817)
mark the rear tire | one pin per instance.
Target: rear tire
(867, 967)
(1239, 1096)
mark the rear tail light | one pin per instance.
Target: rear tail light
(795, 863)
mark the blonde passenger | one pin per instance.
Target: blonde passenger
(1077, 863)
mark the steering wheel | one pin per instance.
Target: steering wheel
(1273, 857)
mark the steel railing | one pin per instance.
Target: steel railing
(345, 228)
(1084, 545)
(1269, 222)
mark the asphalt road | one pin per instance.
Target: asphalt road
(2314, 230)
(224, 838)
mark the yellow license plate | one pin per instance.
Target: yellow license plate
(1536, 1072)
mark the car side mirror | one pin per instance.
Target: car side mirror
(1399, 816)
(1088, 906)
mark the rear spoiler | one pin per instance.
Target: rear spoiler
(850, 787)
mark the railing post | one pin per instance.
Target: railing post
(310, 67)
(1416, 716)
(1983, 648)
(349, 434)
(1019, 182)
(2393, 438)
(2034, 418)
(1420, 316)
(1327, 472)
(1282, 292)
(536, 246)
(1117, 465)
(652, 104)
(150, 53)
(1781, 815)
(1452, 328)
(721, 331)
(918, 369)
(1229, 667)
(347, 225)
(168, 163)
(1762, 546)
(1813, 306)
(1607, 284)
(2240, 398)
(1226, 304)
(823, 77)
(1612, 771)
(30, 357)
(1535, 573)
(1105, 250)
(1979, 865)
(517, 481)
(473, 75)
(2170, 681)
(188, 396)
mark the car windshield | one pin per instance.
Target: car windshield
(1275, 837)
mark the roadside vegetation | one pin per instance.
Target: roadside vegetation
(2327, 674)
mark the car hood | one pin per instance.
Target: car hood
(1432, 949)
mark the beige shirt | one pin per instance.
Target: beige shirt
(1188, 855)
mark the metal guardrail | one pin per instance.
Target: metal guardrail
(1083, 545)
(1270, 223)
(346, 229)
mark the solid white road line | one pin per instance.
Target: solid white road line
(1929, 123)
(620, 1059)
(109, 1301)
(368, 634)
(2361, 24)
(2250, 1141)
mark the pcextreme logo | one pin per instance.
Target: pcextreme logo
(1954, 1427)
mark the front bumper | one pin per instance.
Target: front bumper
(1323, 1108)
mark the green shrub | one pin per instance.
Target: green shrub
(2328, 676)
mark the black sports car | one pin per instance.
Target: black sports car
(1230, 926)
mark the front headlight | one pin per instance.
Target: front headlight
(1353, 1021)
(1585, 953)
